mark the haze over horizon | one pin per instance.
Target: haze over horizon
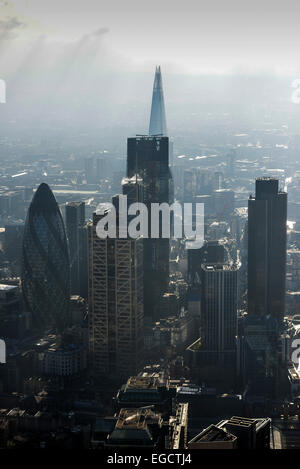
(93, 65)
(190, 37)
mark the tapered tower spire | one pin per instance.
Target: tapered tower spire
(158, 125)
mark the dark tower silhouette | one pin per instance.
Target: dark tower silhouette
(148, 157)
(267, 217)
(45, 262)
(76, 233)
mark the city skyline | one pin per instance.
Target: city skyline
(149, 228)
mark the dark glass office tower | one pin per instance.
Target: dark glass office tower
(213, 355)
(219, 313)
(149, 157)
(267, 217)
(75, 221)
(213, 252)
(45, 262)
(217, 280)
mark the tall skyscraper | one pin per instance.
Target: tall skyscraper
(212, 252)
(267, 217)
(148, 157)
(213, 356)
(45, 262)
(219, 312)
(218, 305)
(158, 125)
(75, 221)
(115, 304)
(133, 189)
(258, 357)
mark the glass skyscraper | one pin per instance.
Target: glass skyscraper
(267, 217)
(158, 125)
(148, 159)
(45, 262)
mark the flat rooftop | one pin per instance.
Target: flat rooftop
(135, 418)
(141, 382)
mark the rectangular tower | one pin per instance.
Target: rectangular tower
(219, 312)
(115, 304)
(75, 221)
(267, 217)
(148, 157)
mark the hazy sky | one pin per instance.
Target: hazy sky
(191, 35)
(91, 62)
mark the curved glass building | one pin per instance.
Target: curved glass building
(45, 262)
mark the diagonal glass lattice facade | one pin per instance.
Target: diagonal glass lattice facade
(45, 262)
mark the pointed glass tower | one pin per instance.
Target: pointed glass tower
(45, 262)
(158, 125)
(148, 157)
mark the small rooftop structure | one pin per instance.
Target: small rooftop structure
(141, 382)
(213, 437)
